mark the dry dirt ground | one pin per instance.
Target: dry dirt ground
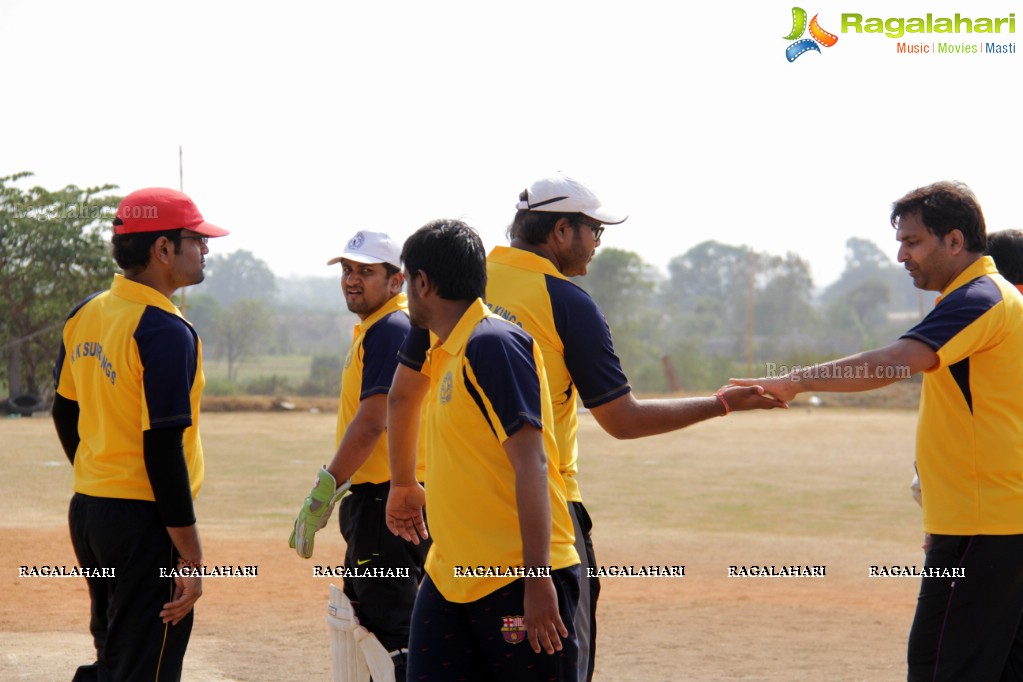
(826, 487)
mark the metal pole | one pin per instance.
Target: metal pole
(749, 315)
(181, 187)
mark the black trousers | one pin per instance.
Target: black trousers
(473, 641)
(968, 627)
(383, 605)
(589, 591)
(132, 643)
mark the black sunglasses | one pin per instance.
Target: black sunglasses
(597, 228)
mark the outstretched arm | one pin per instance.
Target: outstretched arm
(628, 417)
(861, 372)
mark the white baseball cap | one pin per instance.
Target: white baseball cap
(371, 247)
(561, 194)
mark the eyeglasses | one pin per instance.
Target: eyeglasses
(199, 238)
(597, 228)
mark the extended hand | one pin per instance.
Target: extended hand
(316, 512)
(405, 512)
(752, 394)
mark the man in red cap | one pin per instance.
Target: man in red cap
(128, 379)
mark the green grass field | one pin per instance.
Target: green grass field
(292, 368)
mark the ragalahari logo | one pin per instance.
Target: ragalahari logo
(817, 35)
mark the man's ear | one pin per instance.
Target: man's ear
(394, 283)
(562, 230)
(955, 241)
(421, 282)
(161, 250)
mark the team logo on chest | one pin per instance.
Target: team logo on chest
(513, 630)
(446, 385)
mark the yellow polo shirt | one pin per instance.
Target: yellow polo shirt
(486, 382)
(132, 363)
(970, 431)
(368, 371)
(527, 290)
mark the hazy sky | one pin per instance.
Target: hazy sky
(304, 122)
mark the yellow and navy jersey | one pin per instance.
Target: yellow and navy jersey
(132, 363)
(970, 430)
(368, 371)
(486, 383)
(528, 291)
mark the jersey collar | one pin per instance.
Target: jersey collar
(984, 265)
(397, 302)
(459, 336)
(525, 260)
(141, 293)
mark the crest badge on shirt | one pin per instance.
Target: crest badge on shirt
(513, 630)
(445, 388)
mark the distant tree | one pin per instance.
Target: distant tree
(236, 276)
(707, 294)
(311, 317)
(54, 252)
(623, 285)
(234, 303)
(715, 291)
(324, 376)
(864, 261)
(782, 302)
(868, 300)
(856, 320)
(239, 330)
(863, 254)
(311, 293)
(202, 312)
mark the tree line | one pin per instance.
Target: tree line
(724, 310)
(720, 310)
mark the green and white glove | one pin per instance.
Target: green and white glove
(316, 512)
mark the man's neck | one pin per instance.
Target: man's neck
(542, 250)
(969, 259)
(446, 315)
(149, 278)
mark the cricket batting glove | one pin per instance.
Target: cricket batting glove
(316, 512)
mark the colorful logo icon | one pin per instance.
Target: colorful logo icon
(817, 35)
(513, 629)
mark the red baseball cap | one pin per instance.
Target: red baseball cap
(157, 208)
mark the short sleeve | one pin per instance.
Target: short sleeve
(962, 323)
(504, 369)
(590, 356)
(169, 350)
(413, 351)
(380, 353)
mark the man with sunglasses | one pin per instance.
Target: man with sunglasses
(128, 380)
(554, 235)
